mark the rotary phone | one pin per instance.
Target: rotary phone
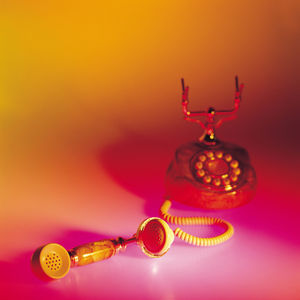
(209, 173)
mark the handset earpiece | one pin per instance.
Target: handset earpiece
(51, 261)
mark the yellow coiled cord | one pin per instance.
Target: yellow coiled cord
(191, 239)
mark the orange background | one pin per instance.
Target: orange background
(87, 88)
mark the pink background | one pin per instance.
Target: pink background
(90, 119)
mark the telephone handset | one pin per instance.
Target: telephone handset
(53, 261)
(210, 173)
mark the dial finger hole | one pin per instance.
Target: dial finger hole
(199, 165)
(226, 181)
(234, 164)
(217, 181)
(228, 157)
(207, 179)
(202, 158)
(219, 154)
(210, 154)
(236, 171)
(201, 173)
(233, 178)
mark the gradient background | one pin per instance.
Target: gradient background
(91, 116)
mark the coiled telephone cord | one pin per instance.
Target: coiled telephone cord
(191, 239)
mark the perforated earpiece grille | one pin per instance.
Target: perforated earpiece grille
(51, 261)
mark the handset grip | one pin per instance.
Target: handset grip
(93, 252)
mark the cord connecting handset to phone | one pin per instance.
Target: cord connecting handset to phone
(154, 237)
(191, 239)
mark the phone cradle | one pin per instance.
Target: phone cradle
(210, 173)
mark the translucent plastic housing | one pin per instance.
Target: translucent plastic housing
(92, 252)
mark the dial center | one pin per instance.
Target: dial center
(217, 167)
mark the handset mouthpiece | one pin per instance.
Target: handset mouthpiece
(155, 237)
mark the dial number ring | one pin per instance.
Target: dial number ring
(217, 169)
